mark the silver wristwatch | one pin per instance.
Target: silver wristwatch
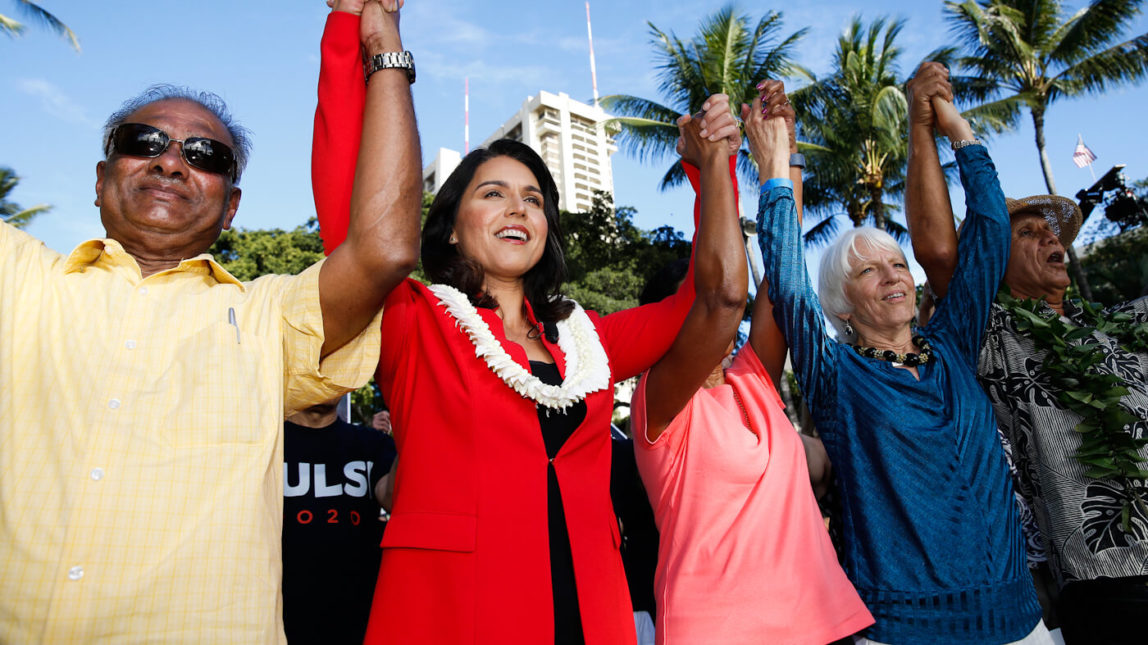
(964, 143)
(392, 60)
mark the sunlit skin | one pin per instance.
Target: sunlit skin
(502, 226)
(881, 290)
(500, 223)
(161, 209)
(1036, 262)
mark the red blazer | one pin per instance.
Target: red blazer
(466, 553)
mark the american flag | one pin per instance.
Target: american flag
(1082, 156)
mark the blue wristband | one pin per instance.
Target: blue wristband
(770, 184)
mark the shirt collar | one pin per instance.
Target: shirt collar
(111, 254)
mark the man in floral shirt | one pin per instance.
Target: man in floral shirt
(1092, 521)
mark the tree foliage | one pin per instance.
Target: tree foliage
(729, 55)
(1031, 54)
(11, 212)
(855, 120)
(1117, 267)
(35, 12)
(609, 258)
(248, 254)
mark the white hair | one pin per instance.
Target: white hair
(837, 268)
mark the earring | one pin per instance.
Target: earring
(453, 239)
(849, 329)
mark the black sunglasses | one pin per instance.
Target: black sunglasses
(139, 140)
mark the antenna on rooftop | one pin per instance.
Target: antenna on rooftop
(466, 119)
(593, 71)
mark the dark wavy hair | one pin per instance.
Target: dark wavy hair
(443, 263)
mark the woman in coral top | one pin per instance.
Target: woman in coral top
(500, 392)
(744, 557)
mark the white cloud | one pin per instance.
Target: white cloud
(55, 102)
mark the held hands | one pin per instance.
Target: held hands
(931, 103)
(356, 6)
(711, 133)
(929, 85)
(769, 131)
(379, 27)
(950, 122)
(774, 102)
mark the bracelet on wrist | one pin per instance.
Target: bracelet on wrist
(963, 143)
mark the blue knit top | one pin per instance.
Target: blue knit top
(931, 535)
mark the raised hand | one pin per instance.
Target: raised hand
(930, 82)
(716, 122)
(379, 29)
(950, 122)
(769, 137)
(776, 104)
(349, 6)
(698, 148)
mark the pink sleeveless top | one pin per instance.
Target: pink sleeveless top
(744, 556)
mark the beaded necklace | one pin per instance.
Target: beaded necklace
(908, 359)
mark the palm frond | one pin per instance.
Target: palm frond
(994, 116)
(22, 218)
(10, 26)
(41, 15)
(1126, 62)
(673, 177)
(1090, 29)
(822, 233)
(646, 139)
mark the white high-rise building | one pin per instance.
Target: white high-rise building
(567, 134)
(435, 174)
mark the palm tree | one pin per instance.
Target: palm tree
(726, 55)
(34, 11)
(11, 212)
(853, 122)
(1036, 55)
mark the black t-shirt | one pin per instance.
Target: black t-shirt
(331, 529)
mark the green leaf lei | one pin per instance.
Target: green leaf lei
(1107, 448)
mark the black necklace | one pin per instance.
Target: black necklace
(909, 359)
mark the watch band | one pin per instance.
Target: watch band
(392, 60)
(957, 145)
(797, 159)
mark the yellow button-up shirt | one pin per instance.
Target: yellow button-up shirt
(141, 442)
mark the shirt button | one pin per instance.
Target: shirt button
(143, 291)
(114, 404)
(97, 474)
(75, 573)
(131, 344)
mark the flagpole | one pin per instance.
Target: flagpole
(593, 71)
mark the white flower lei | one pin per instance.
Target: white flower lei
(587, 366)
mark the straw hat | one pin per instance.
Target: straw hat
(1061, 212)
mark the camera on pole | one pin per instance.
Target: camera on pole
(1121, 205)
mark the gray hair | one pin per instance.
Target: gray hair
(837, 267)
(240, 136)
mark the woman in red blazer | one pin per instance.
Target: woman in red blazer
(500, 392)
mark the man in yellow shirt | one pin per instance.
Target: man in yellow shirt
(143, 388)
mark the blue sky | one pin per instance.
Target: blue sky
(263, 58)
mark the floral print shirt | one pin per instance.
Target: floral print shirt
(1079, 519)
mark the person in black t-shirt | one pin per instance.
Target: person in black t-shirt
(335, 473)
